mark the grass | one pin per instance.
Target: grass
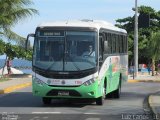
(4, 78)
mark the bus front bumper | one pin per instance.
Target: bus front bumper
(82, 91)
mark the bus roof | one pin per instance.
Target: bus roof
(83, 23)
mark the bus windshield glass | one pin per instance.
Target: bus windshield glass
(65, 50)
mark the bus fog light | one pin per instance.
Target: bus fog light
(36, 92)
(91, 93)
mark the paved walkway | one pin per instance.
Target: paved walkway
(144, 78)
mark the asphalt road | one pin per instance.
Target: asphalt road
(132, 105)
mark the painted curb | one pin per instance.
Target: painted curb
(15, 87)
(132, 81)
(135, 81)
(19, 76)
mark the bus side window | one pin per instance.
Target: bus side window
(125, 39)
(110, 43)
(102, 38)
(105, 44)
(113, 43)
(117, 43)
(121, 44)
(100, 47)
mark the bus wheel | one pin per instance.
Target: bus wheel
(100, 100)
(46, 100)
(116, 93)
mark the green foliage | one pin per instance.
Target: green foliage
(14, 51)
(155, 45)
(13, 11)
(2, 47)
(3, 79)
(145, 34)
(130, 45)
(146, 10)
(126, 23)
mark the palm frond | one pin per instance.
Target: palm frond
(155, 45)
(13, 11)
(20, 14)
(12, 36)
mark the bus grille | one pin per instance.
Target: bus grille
(64, 85)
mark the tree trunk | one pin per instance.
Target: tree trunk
(4, 66)
(153, 66)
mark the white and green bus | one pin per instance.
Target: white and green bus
(62, 70)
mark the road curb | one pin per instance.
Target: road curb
(15, 87)
(150, 101)
(153, 104)
(19, 76)
(135, 81)
(152, 108)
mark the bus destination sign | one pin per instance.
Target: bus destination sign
(51, 33)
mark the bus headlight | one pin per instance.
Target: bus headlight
(89, 82)
(38, 81)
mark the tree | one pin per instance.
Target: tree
(13, 51)
(155, 49)
(144, 33)
(12, 11)
(2, 47)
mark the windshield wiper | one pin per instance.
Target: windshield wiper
(74, 63)
(50, 66)
(86, 60)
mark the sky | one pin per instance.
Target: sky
(55, 10)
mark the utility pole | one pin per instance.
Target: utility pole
(136, 41)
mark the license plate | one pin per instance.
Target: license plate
(63, 93)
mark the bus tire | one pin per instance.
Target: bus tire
(99, 101)
(105, 87)
(116, 93)
(46, 100)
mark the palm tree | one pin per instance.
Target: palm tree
(13, 11)
(155, 49)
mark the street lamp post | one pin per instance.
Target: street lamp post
(136, 41)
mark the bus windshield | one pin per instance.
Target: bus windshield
(65, 50)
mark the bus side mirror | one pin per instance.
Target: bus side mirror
(105, 46)
(29, 35)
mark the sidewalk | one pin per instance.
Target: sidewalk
(16, 82)
(144, 78)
